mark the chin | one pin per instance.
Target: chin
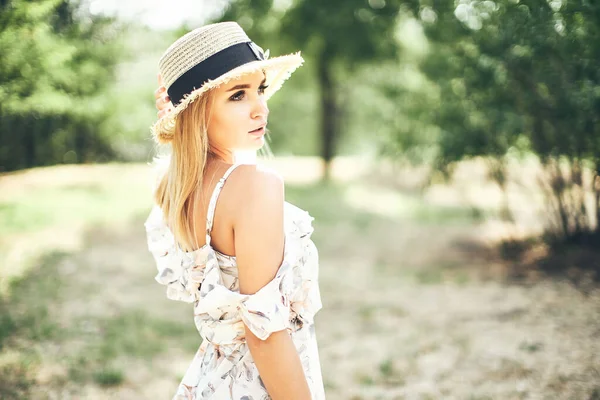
(256, 145)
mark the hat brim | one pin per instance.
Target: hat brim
(278, 69)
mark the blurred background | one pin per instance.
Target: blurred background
(448, 150)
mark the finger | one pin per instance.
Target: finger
(158, 92)
(165, 107)
(162, 102)
(163, 112)
(163, 99)
(160, 80)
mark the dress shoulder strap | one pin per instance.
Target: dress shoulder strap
(210, 215)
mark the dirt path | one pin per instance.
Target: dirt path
(402, 319)
(411, 311)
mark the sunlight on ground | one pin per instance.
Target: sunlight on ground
(414, 307)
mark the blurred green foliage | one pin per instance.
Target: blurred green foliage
(515, 77)
(522, 74)
(428, 81)
(336, 37)
(56, 62)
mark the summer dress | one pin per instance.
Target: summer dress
(223, 367)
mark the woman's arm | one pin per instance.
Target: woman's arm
(259, 244)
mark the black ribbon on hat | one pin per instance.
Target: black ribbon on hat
(212, 68)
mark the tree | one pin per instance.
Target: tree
(56, 59)
(337, 35)
(522, 75)
(340, 36)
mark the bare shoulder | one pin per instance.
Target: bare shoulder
(254, 184)
(258, 174)
(258, 225)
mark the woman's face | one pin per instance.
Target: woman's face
(238, 114)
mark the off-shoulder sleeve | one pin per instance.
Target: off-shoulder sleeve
(268, 310)
(264, 312)
(177, 270)
(283, 303)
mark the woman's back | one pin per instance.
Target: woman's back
(210, 279)
(230, 201)
(222, 230)
(216, 86)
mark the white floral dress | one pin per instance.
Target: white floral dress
(223, 367)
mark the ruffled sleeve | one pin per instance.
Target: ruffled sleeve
(264, 312)
(288, 301)
(177, 270)
(268, 310)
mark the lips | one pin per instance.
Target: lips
(259, 130)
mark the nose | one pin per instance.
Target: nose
(260, 109)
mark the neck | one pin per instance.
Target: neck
(232, 157)
(227, 157)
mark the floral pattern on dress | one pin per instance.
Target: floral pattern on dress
(223, 367)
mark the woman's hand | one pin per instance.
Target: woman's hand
(162, 100)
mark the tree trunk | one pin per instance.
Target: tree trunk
(596, 189)
(29, 144)
(329, 111)
(498, 172)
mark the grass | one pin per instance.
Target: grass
(48, 209)
(27, 322)
(60, 205)
(65, 205)
(25, 312)
(36, 334)
(17, 376)
(386, 368)
(109, 377)
(137, 334)
(403, 311)
(363, 203)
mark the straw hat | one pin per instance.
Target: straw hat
(208, 57)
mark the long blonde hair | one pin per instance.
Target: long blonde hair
(182, 172)
(185, 171)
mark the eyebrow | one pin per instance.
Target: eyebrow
(245, 86)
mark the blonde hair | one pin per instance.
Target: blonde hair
(185, 171)
(182, 172)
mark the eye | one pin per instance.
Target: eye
(238, 96)
(261, 88)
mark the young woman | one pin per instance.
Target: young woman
(221, 233)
